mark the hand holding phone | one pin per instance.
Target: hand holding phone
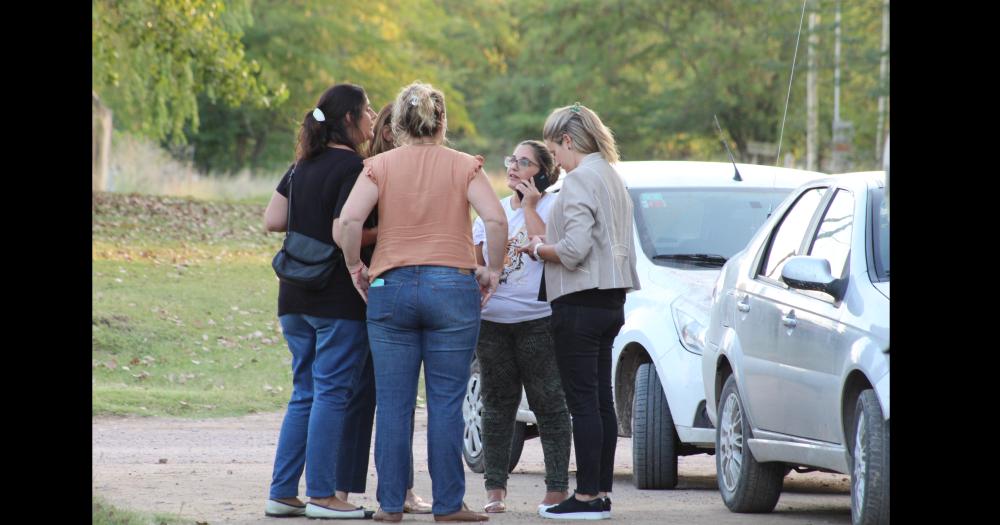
(538, 183)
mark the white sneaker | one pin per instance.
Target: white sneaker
(277, 509)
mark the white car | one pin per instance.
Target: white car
(796, 365)
(689, 218)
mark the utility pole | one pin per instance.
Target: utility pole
(836, 68)
(883, 68)
(812, 112)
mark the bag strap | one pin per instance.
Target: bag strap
(288, 221)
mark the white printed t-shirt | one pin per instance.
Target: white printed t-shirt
(516, 299)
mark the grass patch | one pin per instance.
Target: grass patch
(139, 165)
(184, 303)
(185, 309)
(107, 514)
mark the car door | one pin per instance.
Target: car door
(813, 343)
(757, 319)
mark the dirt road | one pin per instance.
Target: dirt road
(217, 471)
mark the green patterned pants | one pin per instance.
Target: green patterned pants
(512, 355)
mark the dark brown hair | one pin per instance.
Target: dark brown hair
(336, 103)
(546, 163)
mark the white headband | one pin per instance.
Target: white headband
(318, 115)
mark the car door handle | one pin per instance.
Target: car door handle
(743, 304)
(789, 320)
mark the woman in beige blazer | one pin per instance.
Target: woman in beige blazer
(589, 256)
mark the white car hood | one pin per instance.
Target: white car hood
(695, 285)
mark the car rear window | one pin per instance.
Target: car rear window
(678, 221)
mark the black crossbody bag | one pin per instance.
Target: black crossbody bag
(303, 261)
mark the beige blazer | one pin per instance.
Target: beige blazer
(591, 227)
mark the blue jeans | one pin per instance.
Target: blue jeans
(356, 442)
(427, 314)
(327, 355)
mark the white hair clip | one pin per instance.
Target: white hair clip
(318, 115)
(414, 100)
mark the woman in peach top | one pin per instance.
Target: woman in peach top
(424, 292)
(355, 448)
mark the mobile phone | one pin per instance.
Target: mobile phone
(541, 182)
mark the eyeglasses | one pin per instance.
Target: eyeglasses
(522, 163)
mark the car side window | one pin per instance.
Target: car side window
(833, 237)
(789, 234)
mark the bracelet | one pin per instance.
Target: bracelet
(362, 267)
(535, 251)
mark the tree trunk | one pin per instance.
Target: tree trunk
(100, 143)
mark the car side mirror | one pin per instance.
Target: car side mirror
(813, 273)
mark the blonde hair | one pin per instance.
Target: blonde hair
(589, 134)
(418, 112)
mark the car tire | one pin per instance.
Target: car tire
(654, 439)
(745, 485)
(517, 444)
(472, 438)
(869, 462)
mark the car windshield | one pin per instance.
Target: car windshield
(880, 241)
(710, 224)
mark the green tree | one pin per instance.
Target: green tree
(311, 45)
(658, 71)
(153, 58)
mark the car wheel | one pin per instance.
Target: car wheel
(517, 444)
(745, 484)
(870, 463)
(472, 413)
(654, 439)
(472, 440)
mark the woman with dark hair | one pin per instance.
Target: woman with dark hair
(515, 336)
(425, 292)
(352, 468)
(325, 328)
(589, 256)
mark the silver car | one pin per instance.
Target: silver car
(796, 362)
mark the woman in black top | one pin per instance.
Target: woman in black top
(325, 329)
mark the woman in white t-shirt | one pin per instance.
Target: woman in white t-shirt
(515, 337)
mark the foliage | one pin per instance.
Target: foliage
(151, 59)
(656, 71)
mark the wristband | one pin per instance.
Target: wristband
(535, 251)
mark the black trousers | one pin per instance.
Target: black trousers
(583, 336)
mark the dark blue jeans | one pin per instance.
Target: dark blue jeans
(355, 445)
(422, 315)
(327, 356)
